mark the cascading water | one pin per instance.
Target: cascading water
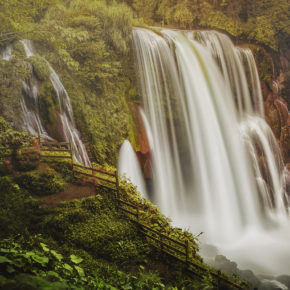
(31, 118)
(129, 167)
(6, 53)
(217, 166)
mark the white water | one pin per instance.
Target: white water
(31, 118)
(217, 166)
(6, 53)
(147, 128)
(129, 167)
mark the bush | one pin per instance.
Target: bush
(25, 162)
(34, 265)
(64, 167)
(93, 225)
(41, 183)
(40, 67)
(17, 210)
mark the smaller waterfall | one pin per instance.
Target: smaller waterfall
(69, 130)
(6, 53)
(27, 47)
(31, 120)
(129, 167)
(268, 165)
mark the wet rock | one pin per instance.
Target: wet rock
(285, 279)
(272, 285)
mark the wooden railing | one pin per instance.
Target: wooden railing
(183, 251)
(63, 150)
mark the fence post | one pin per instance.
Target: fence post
(117, 187)
(187, 250)
(161, 241)
(137, 213)
(72, 156)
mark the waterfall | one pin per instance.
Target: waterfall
(128, 166)
(6, 53)
(31, 118)
(217, 166)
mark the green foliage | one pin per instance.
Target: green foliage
(64, 167)
(92, 225)
(17, 210)
(255, 20)
(40, 67)
(36, 266)
(25, 160)
(149, 214)
(41, 183)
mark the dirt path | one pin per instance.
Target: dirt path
(70, 193)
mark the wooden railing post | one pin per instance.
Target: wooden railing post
(72, 157)
(137, 213)
(187, 250)
(117, 187)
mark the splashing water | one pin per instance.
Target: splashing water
(129, 167)
(217, 166)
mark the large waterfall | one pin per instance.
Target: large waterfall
(217, 166)
(31, 120)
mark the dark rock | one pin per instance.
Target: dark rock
(285, 279)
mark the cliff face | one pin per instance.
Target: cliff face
(274, 71)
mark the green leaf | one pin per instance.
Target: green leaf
(38, 259)
(5, 260)
(75, 259)
(44, 247)
(80, 271)
(54, 274)
(68, 267)
(58, 256)
(10, 269)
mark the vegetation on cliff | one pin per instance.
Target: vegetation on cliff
(84, 244)
(89, 45)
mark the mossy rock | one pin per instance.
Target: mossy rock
(18, 49)
(48, 109)
(40, 67)
(41, 183)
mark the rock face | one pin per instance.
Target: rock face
(278, 117)
(275, 76)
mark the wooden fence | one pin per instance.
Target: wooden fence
(183, 251)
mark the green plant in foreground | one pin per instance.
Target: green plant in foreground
(41, 267)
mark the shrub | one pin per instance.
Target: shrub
(40, 67)
(64, 167)
(25, 162)
(41, 183)
(93, 225)
(17, 210)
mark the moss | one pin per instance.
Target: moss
(48, 109)
(264, 62)
(40, 67)
(19, 50)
